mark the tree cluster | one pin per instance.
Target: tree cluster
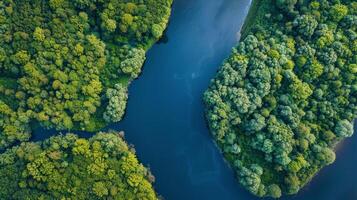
(117, 97)
(60, 59)
(69, 167)
(287, 94)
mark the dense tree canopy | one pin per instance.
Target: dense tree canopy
(287, 94)
(69, 167)
(61, 61)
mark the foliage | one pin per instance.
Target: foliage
(117, 103)
(287, 94)
(63, 57)
(131, 65)
(68, 167)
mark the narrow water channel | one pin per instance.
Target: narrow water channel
(165, 118)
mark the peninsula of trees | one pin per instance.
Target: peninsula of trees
(287, 94)
(67, 64)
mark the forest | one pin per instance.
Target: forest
(69, 167)
(278, 107)
(286, 96)
(67, 64)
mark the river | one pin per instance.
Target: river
(165, 118)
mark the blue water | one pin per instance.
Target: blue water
(165, 118)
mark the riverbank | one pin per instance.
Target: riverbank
(125, 80)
